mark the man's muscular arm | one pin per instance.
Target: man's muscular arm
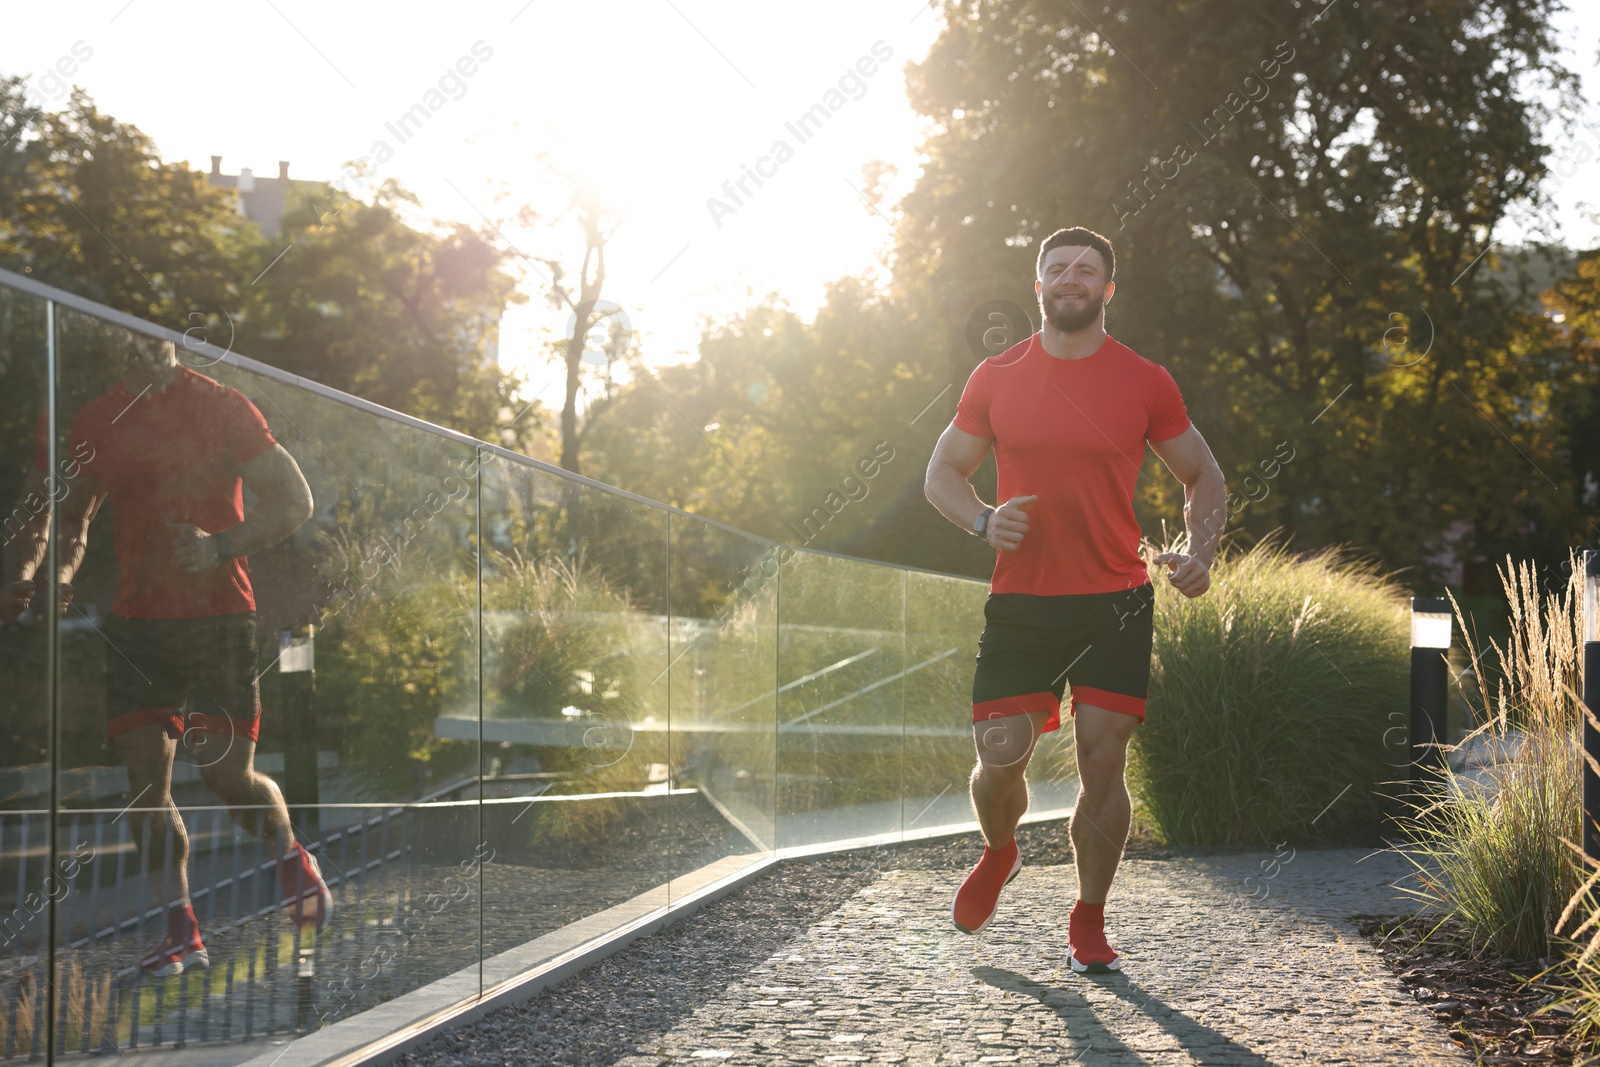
(1205, 508)
(25, 547)
(954, 459)
(80, 499)
(77, 512)
(283, 503)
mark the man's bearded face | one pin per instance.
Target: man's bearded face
(1076, 309)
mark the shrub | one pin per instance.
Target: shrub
(1270, 697)
(1490, 852)
(558, 635)
(391, 653)
(561, 640)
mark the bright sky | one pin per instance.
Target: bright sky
(657, 103)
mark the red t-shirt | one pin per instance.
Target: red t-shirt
(172, 457)
(1072, 432)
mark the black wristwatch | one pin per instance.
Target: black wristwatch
(980, 525)
(224, 547)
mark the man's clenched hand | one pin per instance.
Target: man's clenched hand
(1189, 575)
(1009, 523)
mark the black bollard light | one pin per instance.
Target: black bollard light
(1591, 699)
(1430, 688)
(305, 984)
(298, 685)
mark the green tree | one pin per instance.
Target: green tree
(777, 425)
(89, 206)
(1574, 302)
(1304, 221)
(1297, 196)
(364, 302)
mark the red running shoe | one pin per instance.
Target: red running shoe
(304, 892)
(181, 949)
(979, 895)
(1090, 952)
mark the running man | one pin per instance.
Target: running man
(1068, 413)
(172, 449)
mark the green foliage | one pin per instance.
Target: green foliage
(350, 294)
(1493, 850)
(368, 304)
(1576, 301)
(1270, 699)
(1315, 241)
(392, 657)
(770, 428)
(563, 636)
(399, 646)
(89, 206)
(1315, 247)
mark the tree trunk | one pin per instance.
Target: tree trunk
(569, 444)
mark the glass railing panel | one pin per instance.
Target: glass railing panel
(29, 881)
(945, 621)
(842, 665)
(501, 711)
(575, 710)
(287, 687)
(384, 568)
(725, 591)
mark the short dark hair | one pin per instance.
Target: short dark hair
(1078, 236)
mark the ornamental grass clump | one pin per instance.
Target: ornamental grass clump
(1488, 842)
(1271, 698)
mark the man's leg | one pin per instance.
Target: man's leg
(1103, 813)
(999, 798)
(252, 798)
(1099, 831)
(256, 803)
(226, 682)
(147, 753)
(999, 783)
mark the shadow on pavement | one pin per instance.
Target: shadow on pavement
(1084, 1028)
(1088, 1032)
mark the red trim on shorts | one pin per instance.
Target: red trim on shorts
(225, 725)
(1101, 698)
(173, 724)
(166, 717)
(1021, 705)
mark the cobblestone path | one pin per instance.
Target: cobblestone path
(1217, 970)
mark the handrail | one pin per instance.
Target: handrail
(23, 284)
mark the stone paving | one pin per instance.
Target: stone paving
(1243, 959)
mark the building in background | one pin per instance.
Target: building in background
(262, 200)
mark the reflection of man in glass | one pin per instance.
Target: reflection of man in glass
(172, 449)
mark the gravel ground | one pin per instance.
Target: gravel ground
(858, 943)
(1216, 971)
(628, 1001)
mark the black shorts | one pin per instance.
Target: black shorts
(1033, 646)
(186, 675)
